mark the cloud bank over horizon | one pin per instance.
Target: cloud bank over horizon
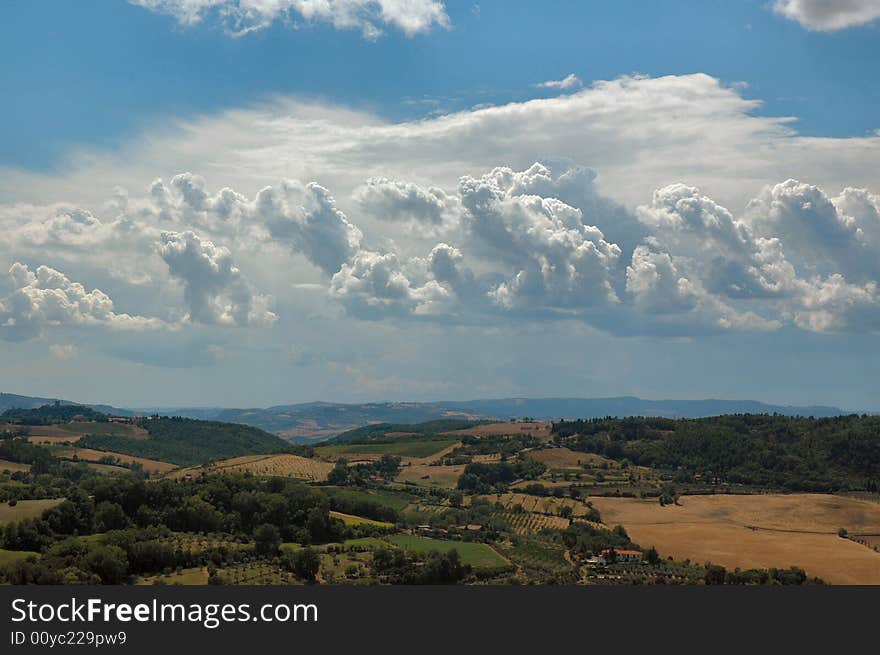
(663, 209)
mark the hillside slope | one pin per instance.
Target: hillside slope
(188, 442)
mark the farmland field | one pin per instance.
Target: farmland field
(395, 501)
(118, 429)
(431, 476)
(350, 519)
(26, 509)
(90, 455)
(257, 573)
(477, 555)
(538, 504)
(52, 434)
(419, 448)
(50, 440)
(563, 458)
(284, 465)
(538, 429)
(530, 523)
(757, 531)
(6, 465)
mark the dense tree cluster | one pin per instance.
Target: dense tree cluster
(395, 566)
(53, 413)
(488, 478)
(793, 453)
(386, 467)
(506, 446)
(131, 515)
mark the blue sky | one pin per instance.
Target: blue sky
(376, 203)
(93, 72)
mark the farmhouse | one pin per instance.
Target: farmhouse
(622, 556)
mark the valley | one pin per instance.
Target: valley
(172, 500)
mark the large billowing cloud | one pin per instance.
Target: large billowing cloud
(555, 259)
(369, 16)
(306, 219)
(694, 216)
(214, 289)
(47, 298)
(829, 15)
(530, 243)
(376, 285)
(427, 211)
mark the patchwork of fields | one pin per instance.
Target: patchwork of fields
(546, 535)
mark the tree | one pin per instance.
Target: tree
(339, 474)
(715, 574)
(109, 563)
(388, 466)
(267, 539)
(110, 516)
(304, 563)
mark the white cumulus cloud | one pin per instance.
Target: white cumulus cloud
(829, 15)
(47, 298)
(215, 291)
(570, 81)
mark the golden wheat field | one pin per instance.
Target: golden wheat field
(563, 458)
(13, 467)
(537, 429)
(47, 440)
(757, 531)
(283, 465)
(91, 455)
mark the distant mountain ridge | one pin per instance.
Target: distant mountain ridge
(315, 421)
(620, 406)
(15, 401)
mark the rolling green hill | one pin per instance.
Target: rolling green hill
(189, 442)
